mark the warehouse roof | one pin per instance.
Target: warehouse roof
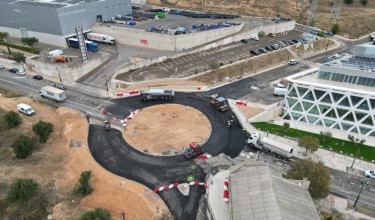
(48, 3)
(257, 191)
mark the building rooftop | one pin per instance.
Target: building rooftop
(257, 191)
(48, 3)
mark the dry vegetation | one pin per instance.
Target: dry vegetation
(317, 46)
(356, 19)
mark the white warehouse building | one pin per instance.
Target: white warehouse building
(339, 94)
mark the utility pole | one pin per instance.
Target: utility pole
(106, 83)
(356, 142)
(359, 194)
(336, 10)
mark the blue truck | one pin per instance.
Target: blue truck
(91, 46)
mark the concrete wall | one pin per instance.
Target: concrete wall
(273, 111)
(139, 2)
(68, 74)
(168, 42)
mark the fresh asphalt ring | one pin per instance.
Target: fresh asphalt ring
(112, 152)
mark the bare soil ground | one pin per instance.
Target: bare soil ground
(57, 165)
(356, 19)
(249, 111)
(161, 128)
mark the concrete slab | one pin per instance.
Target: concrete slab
(219, 208)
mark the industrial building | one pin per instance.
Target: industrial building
(52, 21)
(339, 94)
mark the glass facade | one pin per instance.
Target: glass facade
(331, 108)
(338, 77)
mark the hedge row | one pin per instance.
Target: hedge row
(19, 47)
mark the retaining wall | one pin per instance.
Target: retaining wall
(139, 2)
(270, 113)
(68, 74)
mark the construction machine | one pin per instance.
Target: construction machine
(220, 104)
(194, 150)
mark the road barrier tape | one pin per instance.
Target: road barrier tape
(198, 184)
(135, 92)
(166, 187)
(120, 94)
(241, 103)
(226, 191)
(115, 118)
(204, 156)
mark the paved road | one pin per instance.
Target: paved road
(114, 154)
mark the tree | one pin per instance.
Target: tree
(43, 130)
(348, 1)
(309, 143)
(214, 65)
(84, 188)
(317, 173)
(3, 35)
(165, 215)
(312, 22)
(261, 33)
(19, 57)
(11, 119)
(31, 209)
(23, 146)
(30, 41)
(21, 190)
(286, 126)
(335, 28)
(364, 2)
(325, 135)
(98, 213)
(356, 142)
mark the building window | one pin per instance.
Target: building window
(364, 105)
(327, 99)
(291, 102)
(293, 93)
(372, 102)
(301, 91)
(312, 119)
(346, 126)
(314, 111)
(364, 130)
(345, 102)
(359, 115)
(319, 93)
(331, 114)
(349, 117)
(328, 122)
(341, 112)
(368, 121)
(323, 108)
(298, 108)
(295, 115)
(309, 96)
(306, 105)
(337, 96)
(355, 99)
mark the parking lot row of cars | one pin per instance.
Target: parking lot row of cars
(276, 46)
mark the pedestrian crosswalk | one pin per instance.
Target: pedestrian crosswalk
(88, 90)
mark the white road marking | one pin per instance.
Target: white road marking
(163, 68)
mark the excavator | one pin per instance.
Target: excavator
(194, 150)
(63, 58)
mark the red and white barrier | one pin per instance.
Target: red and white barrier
(166, 187)
(226, 191)
(241, 103)
(204, 156)
(198, 184)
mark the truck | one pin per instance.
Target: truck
(154, 94)
(54, 53)
(91, 46)
(280, 91)
(53, 93)
(194, 150)
(220, 104)
(101, 38)
(271, 146)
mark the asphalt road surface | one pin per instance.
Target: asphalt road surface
(112, 152)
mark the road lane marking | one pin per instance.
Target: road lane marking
(162, 68)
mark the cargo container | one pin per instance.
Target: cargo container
(91, 46)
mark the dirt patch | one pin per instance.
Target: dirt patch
(57, 165)
(158, 84)
(318, 45)
(249, 111)
(161, 128)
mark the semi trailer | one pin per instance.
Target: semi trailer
(154, 94)
(91, 46)
(53, 93)
(271, 146)
(101, 38)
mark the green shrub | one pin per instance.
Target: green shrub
(19, 47)
(19, 57)
(335, 28)
(84, 187)
(321, 34)
(348, 1)
(21, 190)
(11, 119)
(23, 146)
(98, 213)
(364, 2)
(261, 33)
(43, 130)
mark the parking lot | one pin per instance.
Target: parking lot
(191, 64)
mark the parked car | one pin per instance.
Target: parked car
(255, 38)
(263, 50)
(274, 47)
(2, 66)
(293, 62)
(296, 41)
(14, 70)
(136, 7)
(245, 41)
(21, 73)
(291, 42)
(285, 42)
(370, 173)
(329, 33)
(271, 35)
(281, 44)
(268, 48)
(107, 125)
(38, 77)
(254, 52)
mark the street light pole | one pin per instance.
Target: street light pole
(106, 83)
(359, 194)
(23, 67)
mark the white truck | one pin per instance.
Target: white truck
(269, 145)
(53, 93)
(154, 94)
(55, 53)
(101, 38)
(280, 91)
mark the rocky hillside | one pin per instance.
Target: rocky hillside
(355, 20)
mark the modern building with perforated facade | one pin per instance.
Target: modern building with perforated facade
(52, 21)
(339, 94)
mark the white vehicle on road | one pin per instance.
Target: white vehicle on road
(293, 62)
(2, 66)
(21, 73)
(370, 173)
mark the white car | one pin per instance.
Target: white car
(293, 62)
(2, 66)
(370, 173)
(21, 73)
(255, 38)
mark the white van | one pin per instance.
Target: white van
(25, 109)
(280, 91)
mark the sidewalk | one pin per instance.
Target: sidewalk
(331, 159)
